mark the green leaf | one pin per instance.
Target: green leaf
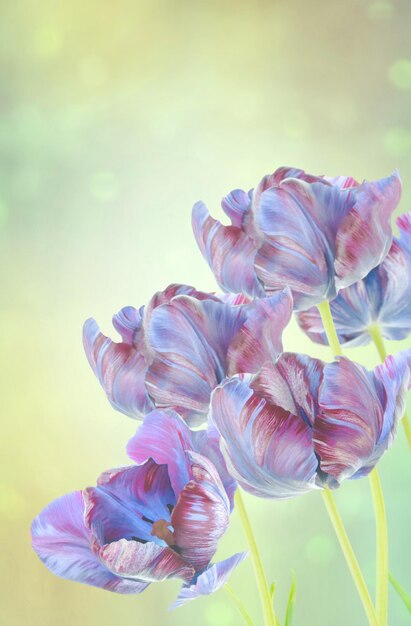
(405, 597)
(272, 591)
(289, 614)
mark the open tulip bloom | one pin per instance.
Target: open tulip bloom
(275, 423)
(159, 519)
(382, 298)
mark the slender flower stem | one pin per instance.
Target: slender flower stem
(240, 606)
(375, 334)
(265, 596)
(381, 548)
(407, 428)
(327, 320)
(379, 511)
(350, 557)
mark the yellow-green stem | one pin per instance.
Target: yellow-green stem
(378, 502)
(381, 548)
(327, 320)
(240, 606)
(350, 557)
(375, 334)
(265, 596)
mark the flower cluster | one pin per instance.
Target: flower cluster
(220, 402)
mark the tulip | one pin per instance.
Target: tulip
(175, 351)
(316, 235)
(301, 424)
(159, 519)
(382, 299)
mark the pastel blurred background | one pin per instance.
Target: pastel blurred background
(115, 118)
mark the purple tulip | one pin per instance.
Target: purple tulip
(146, 523)
(164, 436)
(301, 423)
(315, 234)
(382, 298)
(181, 346)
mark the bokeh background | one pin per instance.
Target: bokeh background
(115, 118)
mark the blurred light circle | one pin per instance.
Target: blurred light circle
(380, 10)
(397, 141)
(320, 549)
(400, 74)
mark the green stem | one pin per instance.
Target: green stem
(379, 509)
(407, 428)
(327, 320)
(350, 557)
(240, 606)
(375, 334)
(381, 548)
(268, 609)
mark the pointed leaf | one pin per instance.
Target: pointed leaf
(289, 614)
(405, 597)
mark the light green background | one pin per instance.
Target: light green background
(115, 117)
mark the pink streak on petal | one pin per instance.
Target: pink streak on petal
(260, 338)
(201, 515)
(364, 237)
(146, 562)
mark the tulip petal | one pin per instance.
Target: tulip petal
(201, 515)
(394, 376)
(383, 297)
(209, 581)
(127, 501)
(404, 226)
(207, 443)
(395, 284)
(364, 236)
(234, 298)
(292, 383)
(359, 411)
(229, 252)
(350, 419)
(268, 450)
(127, 322)
(120, 367)
(190, 340)
(236, 205)
(165, 437)
(299, 222)
(62, 541)
(170, 292)
(259, 339)
(146, 562)
(281, 174)
(343, 182)
(354, 310)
